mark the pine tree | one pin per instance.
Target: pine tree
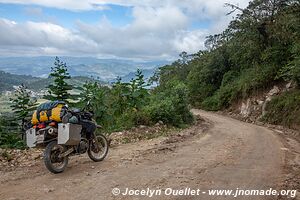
(22, 104)
(59, 90)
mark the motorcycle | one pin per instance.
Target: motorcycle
(65, 139)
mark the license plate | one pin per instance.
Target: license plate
(40, 139)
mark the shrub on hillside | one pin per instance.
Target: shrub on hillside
(171, 106)
(291, 71)
(284, 110)
(9, 135)
(125, 105)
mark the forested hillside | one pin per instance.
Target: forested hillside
(7, 80)
(260, 48)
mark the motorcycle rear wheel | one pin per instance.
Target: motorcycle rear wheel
(52, 162)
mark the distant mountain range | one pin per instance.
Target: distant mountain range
(146, 72)
(102, 69)
(7, 81)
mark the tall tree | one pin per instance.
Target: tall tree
(120, 94)
(98, 98)
(59, 90)
(22, 104)
(138, 92)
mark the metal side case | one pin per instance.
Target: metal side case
(31, 137)
(69, 134)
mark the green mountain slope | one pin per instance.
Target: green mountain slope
(7, 80)
(260, 48)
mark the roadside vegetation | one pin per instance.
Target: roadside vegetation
(260, 47)
(125, 105)
(116, 107)
(284, 110)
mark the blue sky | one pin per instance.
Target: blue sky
(133, 29)
(118, 15)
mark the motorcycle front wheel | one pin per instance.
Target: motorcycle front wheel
(52, 161)
(98, 149)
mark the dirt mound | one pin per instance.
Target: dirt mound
(16, 158)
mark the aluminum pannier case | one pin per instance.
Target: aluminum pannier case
(69, 134)
(31, 137)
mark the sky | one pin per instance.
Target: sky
(127, 29)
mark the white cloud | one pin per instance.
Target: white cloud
(149, 35)
(190, 41)
(159, 30)
(76, 5)
(202, 7)
(44, 37)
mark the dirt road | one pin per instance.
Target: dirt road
(230, 154)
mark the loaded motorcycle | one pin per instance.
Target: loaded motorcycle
(65, 139)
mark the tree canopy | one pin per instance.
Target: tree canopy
(259, 47)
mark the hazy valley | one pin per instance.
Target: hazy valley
(34, 71)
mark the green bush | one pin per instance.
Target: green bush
(142, 117)
(125, 105)
(11, 140)
(211, 103)
(171, 106)
(10, 136)
(163, 111)
(291, 71)
(284, 110)
(129, 119)
(235, 86)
